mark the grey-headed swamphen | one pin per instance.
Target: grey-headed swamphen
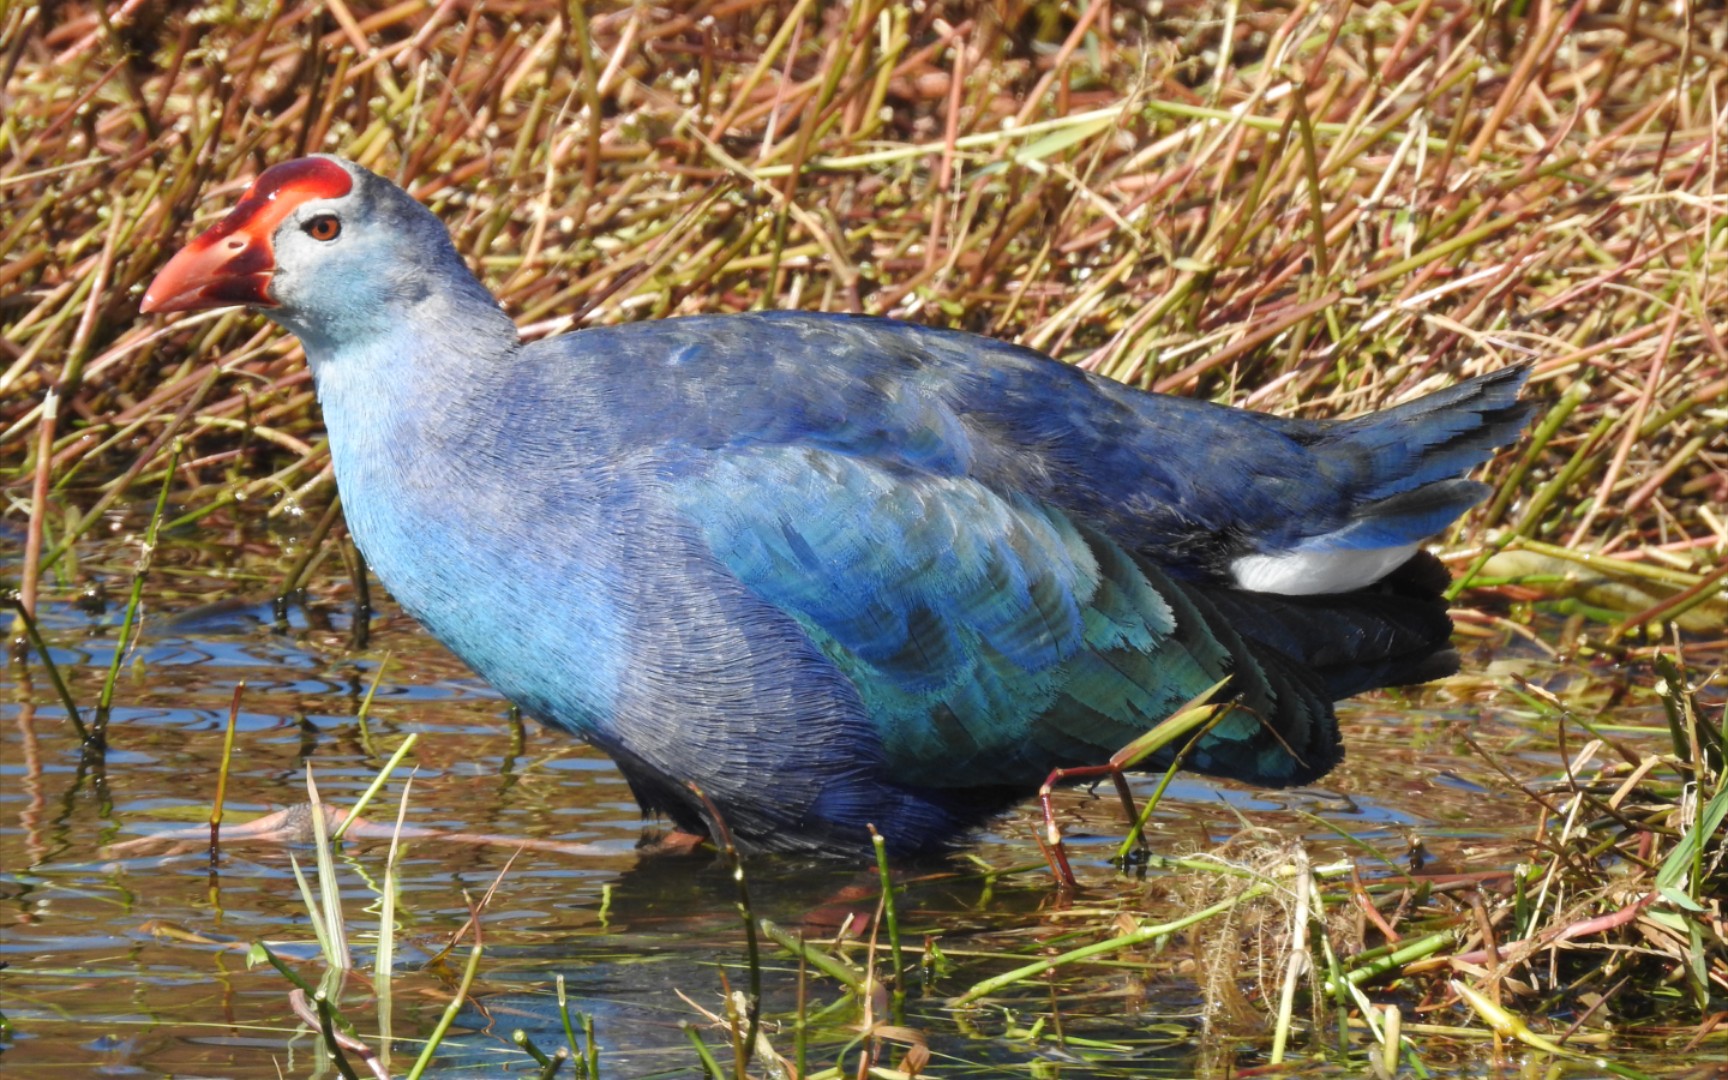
(835, 570)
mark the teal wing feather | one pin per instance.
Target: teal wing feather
(990, 636)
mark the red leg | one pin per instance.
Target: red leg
(1051, 842)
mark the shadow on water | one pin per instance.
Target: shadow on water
(135, 963)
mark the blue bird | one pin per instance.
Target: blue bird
(841, 571)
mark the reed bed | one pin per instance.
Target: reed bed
(1315, 208)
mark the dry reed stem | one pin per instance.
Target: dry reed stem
(1333, 209)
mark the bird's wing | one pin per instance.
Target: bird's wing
(1213, 495)
(990, 635)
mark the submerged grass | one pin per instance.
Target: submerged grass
(1607, 935)
(324, 911)
(1310, 208)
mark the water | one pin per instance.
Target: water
(133, 962)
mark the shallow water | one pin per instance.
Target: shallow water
(135, 963)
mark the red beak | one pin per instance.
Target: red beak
(231, 262)
(224, 266)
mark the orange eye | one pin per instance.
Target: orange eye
(324, 227)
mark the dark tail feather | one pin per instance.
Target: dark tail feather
(1393, 633)
(1438, 437)
(1285, 733)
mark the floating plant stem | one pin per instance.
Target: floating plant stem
(1295, 961)
(99, 727)
(577, 1054)
(60, 688)
(710, 1067)
(449, 1017)
(521, 1038)
(222, 770)
(260, 952)
(336, 935)
(332, 1046)
(889, 911)
(1142, 936)
(1211, 715)
(821, 961)
(363, 714)
(384, 960)
(376, 785)
(320, 928)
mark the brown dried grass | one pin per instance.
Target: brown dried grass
(1315, 208)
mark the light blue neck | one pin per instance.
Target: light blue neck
(489, 546)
